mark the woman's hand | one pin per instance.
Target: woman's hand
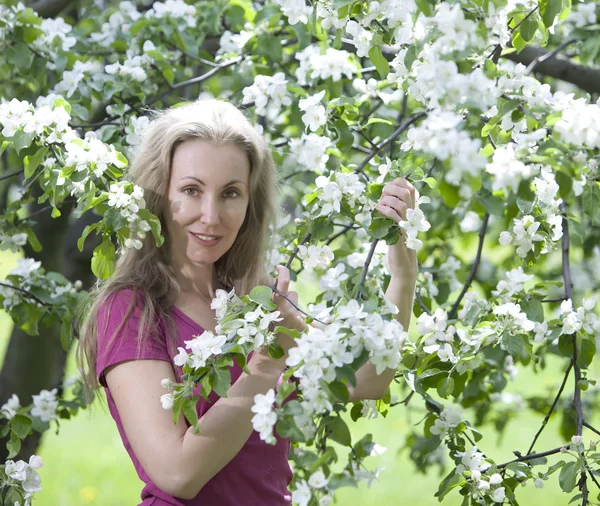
(292, 318)
(397, 197)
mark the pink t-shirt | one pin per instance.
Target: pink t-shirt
(258, 475)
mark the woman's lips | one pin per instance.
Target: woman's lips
(204, 242)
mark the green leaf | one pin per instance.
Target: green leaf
(568, 476)
(533, 309)
(21, 425)
(515, 345)
(587, 350)
(528, 28)
(518, 42)
(13, 445)
(262, 295)
(293, 407)
(346, 372)
(86, 231)
(426, 7)
(339, 390)
(445, 387)
(549, 9)
(220, 381)
(339, 431)
(190, 413)
(381, 64)
(104, 259)
(452, 480)
(33, 240)
(410, 57)
(66, 334)
(270, 46)
(276, 350)
(22, 140)
(493, 205)
(31, 163)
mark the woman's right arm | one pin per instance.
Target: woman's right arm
(177, 460)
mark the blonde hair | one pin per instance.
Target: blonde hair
(147, 270)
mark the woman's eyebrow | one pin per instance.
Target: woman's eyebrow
(204, 184)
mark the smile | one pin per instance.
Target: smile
(206, 240)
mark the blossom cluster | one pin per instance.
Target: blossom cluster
(51, 125)
(233, 42)
(44, 405)
(269, 94)
(448, 419)
(73, 79)
(304, 490)
(24, 475)
(55, 36)
(119, 21)
(415, 222)
(315, 114)
(133, 66)
(319, 352)
(583, 318)
(333, 63)
(310, 152)
(29, 274)
(315, 256)
(331, 189)
(265, 416)
(439, 135)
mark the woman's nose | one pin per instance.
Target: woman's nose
(209, 210)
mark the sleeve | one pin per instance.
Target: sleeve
(123, 346)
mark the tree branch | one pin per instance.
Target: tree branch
(473, 272)
(11, 174)
(365, 270)
(586, 78)
(404, 126)
(524, 458)
(27, 293)
(566, 270)
(49, 8)
(547, 417)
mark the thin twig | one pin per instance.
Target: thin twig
(566, 271)
(532, 456)
(547, 417)
(404, 126)
(559, 299)
(195, 80)
(548, 55)
(591, 428)
(12, 174)
(26, 292)
(341, 232)
(422, 304)
(365, 270)
(473, 272)
(301, 310)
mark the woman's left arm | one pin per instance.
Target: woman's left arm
(397, 197)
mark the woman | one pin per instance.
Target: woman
(210, 178)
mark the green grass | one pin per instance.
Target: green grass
(86, 463)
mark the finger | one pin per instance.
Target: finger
(402, 191)
(293, 296)
(396, 204)
(283, 278)
(389, 212)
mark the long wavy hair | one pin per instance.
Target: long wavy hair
(147, 271)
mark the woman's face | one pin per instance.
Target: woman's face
(207, 196)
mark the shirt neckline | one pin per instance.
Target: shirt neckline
(186, 318)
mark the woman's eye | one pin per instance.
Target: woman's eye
(235, 193)
(190, 191)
